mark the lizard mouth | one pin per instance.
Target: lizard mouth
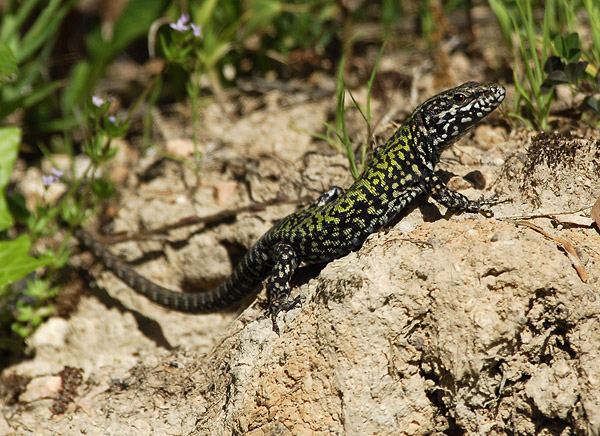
(498, 95)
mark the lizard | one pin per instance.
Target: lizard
(339, 221)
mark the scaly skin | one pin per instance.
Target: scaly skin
(339, 221)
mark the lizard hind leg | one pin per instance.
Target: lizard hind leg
(278, 286)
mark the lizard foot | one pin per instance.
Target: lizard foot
(276, 307)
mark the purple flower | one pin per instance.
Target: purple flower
(56, 173)
(112, 119)
(97, 101)
(48, 180)
(54, 177)
(197, 29)
(182, 23)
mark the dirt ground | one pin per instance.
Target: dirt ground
(442, 324)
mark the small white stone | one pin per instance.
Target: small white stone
(52, 333)
(181, 147)
(42, 387)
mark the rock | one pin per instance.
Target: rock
(51, 334)
(224, 192)
(180, 147)
(557, 172)
(554, 389)
(469, 324)
(4, 427)
(406, 328)
(42, 387)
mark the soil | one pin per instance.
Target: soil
(441, 324)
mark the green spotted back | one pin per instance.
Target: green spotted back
(397, 173)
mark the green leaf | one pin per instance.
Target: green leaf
(18, 208)
(44, 28)
(574, 55)
(30, 99)
(8, 62)
(15, 263)
(10, 138)
(261, 14)
(592, 104)
(560, 46)
(557, 77)
(205, 13)
(114, 129)
(574, 71)
(568, 47)
(134, 22)
(572, 41)
(11, 24)
(40, 93)
(553, 63)
(103, 189)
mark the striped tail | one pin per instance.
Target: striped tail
(247, 275)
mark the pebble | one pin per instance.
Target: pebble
(52, 333)
(180, 147)
(42, 387)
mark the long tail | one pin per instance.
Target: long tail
(247, 275)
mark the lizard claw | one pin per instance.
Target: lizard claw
(491, 201)
(275, 309)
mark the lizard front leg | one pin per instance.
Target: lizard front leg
(327, 196)
(278, 286)
(456, 201)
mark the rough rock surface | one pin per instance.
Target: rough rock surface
(472, 325)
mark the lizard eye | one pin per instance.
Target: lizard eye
(459, 98)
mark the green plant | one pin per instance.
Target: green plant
(337, 135)
(31, 306)
(25, 49)
(15, 261)
(285, 26)
(49, 101)
(567, 68)
(536, 102)
(209, 43)
(25, 301)
(593, 54)
(533, 58)
(132, 24)
(197, 48)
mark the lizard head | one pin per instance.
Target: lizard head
(449, 115)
